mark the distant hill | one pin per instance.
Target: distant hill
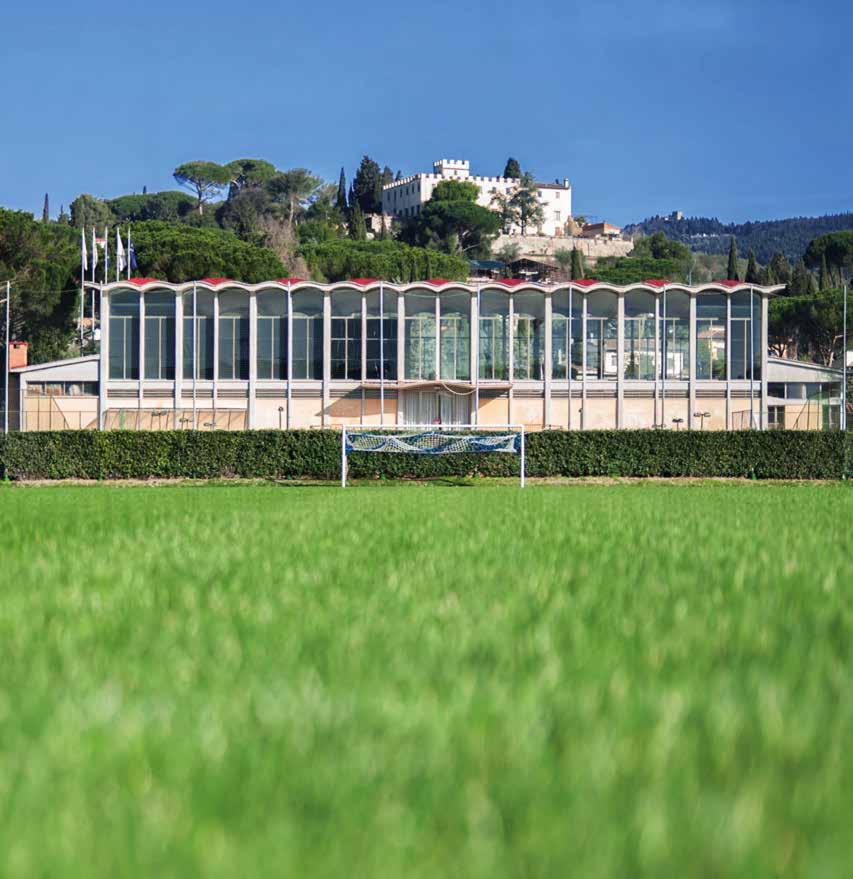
(708, 235)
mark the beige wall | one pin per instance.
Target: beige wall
(493, 411)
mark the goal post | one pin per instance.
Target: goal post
(434, 439)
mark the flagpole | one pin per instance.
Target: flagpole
(94, 263)
(6, 370)
(128, 251)
(82, 285)
(195, 357)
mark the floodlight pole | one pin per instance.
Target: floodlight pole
(843, 420)
(343, 457)
(6, 365)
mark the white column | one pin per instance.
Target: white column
(141, 352)
(764, 363)
(620, 359)
(179, 360)
(327, 354)
(546, 405)
(728, 361)
(583, 362)
(511, 356)
(401, 354)
(253, 359)
(437, 364)
(691, 367)
(363, 370)
(104, 362)
(289, 353)
(215, 355)
(475, 353)
(658, 415)
(569, 354)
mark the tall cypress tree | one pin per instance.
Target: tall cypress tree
(731, 271)
(578, 269)
(45, 212)
(802, 281)
(824, 278)
(752, 276)
(357, 227)
(780, 268)
(512, 169)
(341, 198)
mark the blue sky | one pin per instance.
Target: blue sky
(736, 110)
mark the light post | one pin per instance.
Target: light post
(280, 411)
(677, 422)
(701, 416)
(8, 303)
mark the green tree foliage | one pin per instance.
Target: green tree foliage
(341, 197)
(802, 281)
(452, 221)
(88, 211)
(564, 260)
(45, 211)
(658, 246)
(293, 189)
(387, 177)
(578, 269)
(367, 187)
(512, 169)
(631, 270)
(357, 227)
(731, 270)
(753, 274)
(789, 236)
(205, 179)
(170, 205)
(387, 260)
(508, 253)
(824, 281)
(837, 248)
(177, 252)
(42, 262)
(778, 269)
(520, 206)
(248, 173)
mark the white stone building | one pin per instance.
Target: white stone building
(405, 198)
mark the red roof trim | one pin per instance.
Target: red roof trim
(215, 282)
(438, 282)
(728, 282)
(585, 282)
(141, 282)
(656, 282)
(364, 282)
(289, 280)
(513, 282)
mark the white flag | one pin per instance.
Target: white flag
(94, 250)
(84, 255)
(120, 261)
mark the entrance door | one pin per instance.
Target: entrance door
(436, 407)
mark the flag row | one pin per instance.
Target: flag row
(125, 257)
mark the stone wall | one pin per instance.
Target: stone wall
(544, 245)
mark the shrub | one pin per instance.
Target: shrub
(316, 454)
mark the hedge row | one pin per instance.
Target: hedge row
(316, 454)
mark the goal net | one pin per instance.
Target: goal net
(433, 440)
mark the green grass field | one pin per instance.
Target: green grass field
(622, 680)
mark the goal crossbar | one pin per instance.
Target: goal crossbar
(433, 439)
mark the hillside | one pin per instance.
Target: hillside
(790, 236)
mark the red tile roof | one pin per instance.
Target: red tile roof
(141, 282)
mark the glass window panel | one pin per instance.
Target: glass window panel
(272, 335)
(494, 335)
(601, 335)
(420, 335)
(711, 336)
(160, 335)
(234, 336)
(346, 335)
(308, 334)
(204, 325)
(455, 335)
(640, 335)
(566, 334)
(381, 358)
(529, 336)
(675, 334)
(124, 336)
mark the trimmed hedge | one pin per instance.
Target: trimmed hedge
(316, 454)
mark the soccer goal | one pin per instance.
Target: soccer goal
(434, 439)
